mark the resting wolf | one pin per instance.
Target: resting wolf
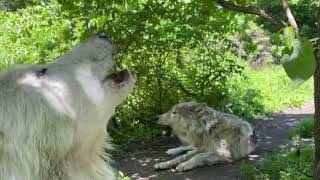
(53, 117)
(209, 136)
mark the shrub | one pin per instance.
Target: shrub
(304, 130)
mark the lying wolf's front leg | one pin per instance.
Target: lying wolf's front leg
(201, 159)
(174, 162)
(180, 149)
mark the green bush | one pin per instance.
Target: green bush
(304, 130)
(284, 165)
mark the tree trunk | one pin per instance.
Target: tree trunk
(317, 114)
(316, 175)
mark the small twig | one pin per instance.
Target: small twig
(290, 16)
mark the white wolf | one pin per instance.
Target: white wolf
(209, 136)
(53, 117)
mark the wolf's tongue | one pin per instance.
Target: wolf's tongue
(120, 76)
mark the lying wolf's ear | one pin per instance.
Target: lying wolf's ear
(200, 108)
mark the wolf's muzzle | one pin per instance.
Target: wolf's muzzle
(120, 76)
(102, 35)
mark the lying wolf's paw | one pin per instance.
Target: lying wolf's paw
(172, 151)
(161, 166)
(183, 167)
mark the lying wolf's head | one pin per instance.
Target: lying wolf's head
(185, 111)
(85, 72)
(186, 121)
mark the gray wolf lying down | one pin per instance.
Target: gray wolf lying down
(53, 117)
(209, 136)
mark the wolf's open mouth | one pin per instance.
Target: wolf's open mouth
(119, 77)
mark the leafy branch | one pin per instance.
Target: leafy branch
(252, 10)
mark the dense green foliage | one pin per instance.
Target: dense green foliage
(36, 34)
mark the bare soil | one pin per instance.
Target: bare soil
(272, 132)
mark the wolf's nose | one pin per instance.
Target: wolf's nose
(102, 35)
(121, 76)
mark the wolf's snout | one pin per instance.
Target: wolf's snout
(157, 119)
(120, 76)
(162, 120)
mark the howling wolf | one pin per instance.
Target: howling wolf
(209, 136)
(53, 117)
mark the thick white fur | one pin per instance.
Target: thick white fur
(53, 117)
(209, 136)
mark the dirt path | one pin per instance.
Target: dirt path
(272, 134)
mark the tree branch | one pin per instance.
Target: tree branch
(290, 16)
(251, 10)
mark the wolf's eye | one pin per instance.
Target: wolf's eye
(41, 72)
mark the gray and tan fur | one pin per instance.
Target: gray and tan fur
(208, 136)
(53, 117)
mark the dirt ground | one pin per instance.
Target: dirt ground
(272, 132)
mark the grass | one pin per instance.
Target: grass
(276, 90)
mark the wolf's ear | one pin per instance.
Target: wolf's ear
(200, 108)
(30, 79)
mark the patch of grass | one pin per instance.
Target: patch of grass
(266, 90)
(284, 165)
(304, 129)
(122, 176)
(277, 90)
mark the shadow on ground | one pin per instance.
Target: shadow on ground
(272, 134)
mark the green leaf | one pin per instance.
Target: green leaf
(289, 37)
(121, 174)
(301, 64)
(277, 39)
